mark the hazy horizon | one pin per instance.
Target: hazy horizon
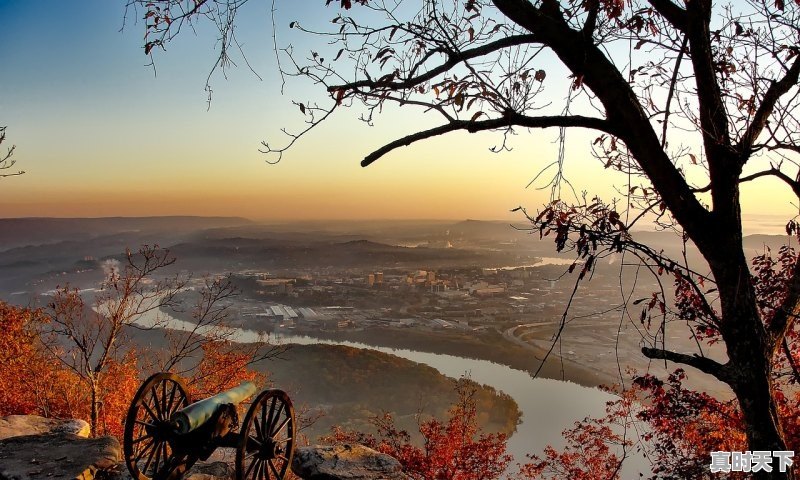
(753, 224)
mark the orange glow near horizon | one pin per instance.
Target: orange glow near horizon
(428, 181)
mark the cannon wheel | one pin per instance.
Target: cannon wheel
(266, 443)
(147, 450)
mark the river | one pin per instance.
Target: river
(547, 406)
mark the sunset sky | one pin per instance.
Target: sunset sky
(99, 134)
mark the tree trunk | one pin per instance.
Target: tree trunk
(94, 407)
(760, 417)
(749, 371)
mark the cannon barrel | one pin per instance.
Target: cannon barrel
(196, 414)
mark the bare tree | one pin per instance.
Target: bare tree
(689, 100)
(208, 324)
(88, 340)
(6, 162)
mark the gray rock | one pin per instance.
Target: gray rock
(200, 471)
(345, 462)
(19, 425)
(57, 455)
(211, 471)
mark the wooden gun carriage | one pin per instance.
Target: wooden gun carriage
(165, 434)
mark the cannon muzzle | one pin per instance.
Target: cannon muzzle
(198, 413)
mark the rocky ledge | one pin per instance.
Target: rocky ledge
(345, 462)
(20, 425)
(36, 448)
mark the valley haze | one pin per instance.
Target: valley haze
(488, 291)
(438, 283)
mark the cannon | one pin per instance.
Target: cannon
(165, 433)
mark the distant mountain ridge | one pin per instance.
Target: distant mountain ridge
(57, 250)
(19, 232)
(272, 253)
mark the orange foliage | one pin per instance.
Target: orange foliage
(223, 366)
(681, 426)
(455, 449)
(33, 381)
(596, 447)
(116, 392)
(587, 456)
(17, 351)
(29, 376)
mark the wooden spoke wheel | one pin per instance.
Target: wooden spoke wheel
(266, 442)
(147, 440)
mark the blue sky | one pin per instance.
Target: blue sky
(100, 133)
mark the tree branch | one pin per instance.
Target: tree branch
(775, 91)
(673, 82)
(6, 161)
(624, 111)
(713, 118)
(779, 146)
(789, 358)
(704, 364)
(785, 316)
(591, 19)
(454, 58)
(775, 172)
(674, 14)
(510, 120)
